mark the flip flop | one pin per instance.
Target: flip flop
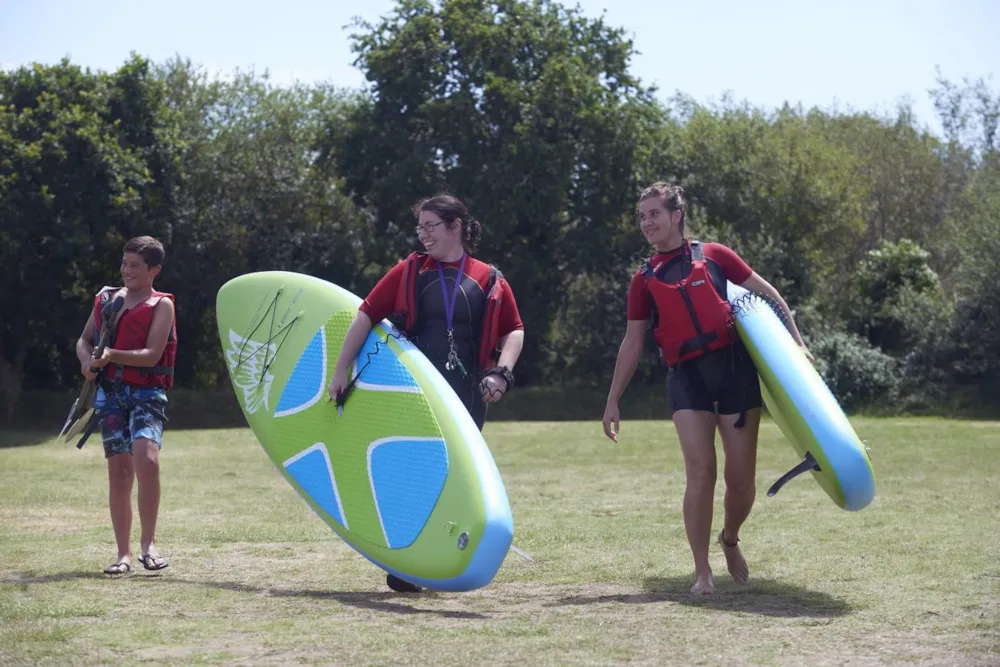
(146, 559)
(121, 567)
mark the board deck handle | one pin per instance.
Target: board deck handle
(808, 463)
(344, 395)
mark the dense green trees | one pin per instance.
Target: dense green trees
(882, 236)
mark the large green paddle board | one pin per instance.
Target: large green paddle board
(403, 475)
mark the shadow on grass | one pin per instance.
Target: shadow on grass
(373, 601)
(26, 579)
(15, 437)
(764, 597)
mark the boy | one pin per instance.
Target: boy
(133, 374)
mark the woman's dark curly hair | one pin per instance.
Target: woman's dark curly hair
(450, 209)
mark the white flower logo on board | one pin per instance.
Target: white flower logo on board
(248, 361)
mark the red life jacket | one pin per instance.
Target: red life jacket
(406, 308)
(695, 319)
(132, 333)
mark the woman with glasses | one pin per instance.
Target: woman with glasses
(459, 311)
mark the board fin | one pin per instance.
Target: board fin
(522, 554)
(808, 463)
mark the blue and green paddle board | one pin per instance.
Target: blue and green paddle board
(403, 475)
(802, 406)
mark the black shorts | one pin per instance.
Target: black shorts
(724, 382)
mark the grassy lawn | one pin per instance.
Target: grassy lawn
(256, 577)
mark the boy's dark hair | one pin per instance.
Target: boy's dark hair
(150, 249)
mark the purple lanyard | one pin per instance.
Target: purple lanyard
(449, 304)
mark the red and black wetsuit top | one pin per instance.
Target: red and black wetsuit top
(684, 292)
(485, 310)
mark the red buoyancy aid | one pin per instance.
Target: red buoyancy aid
(694, 318)
(132, 333)
(406, 307)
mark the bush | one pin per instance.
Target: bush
(898, 301)
(857, 374)
(588, 331)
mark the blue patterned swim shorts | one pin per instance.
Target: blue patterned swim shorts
(130, 413)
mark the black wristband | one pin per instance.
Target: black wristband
(505, 373)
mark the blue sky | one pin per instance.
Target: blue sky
(849, 54)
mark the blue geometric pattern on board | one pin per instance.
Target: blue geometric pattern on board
(407, 476)
(307, 382)
(312, 473)
(384, 368)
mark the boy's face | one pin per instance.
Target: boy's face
(136, 273)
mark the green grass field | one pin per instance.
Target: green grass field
(256, 577)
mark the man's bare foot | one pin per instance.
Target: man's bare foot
(735, 561)
(703, 584)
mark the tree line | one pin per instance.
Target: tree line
(882, 235)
